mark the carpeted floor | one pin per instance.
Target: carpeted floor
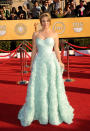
(12, 96)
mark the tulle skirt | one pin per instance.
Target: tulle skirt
(46, 99)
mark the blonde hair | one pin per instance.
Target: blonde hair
(45, 15)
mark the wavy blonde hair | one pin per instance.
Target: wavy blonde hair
(45, 15)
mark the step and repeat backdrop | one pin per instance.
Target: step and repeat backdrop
(65, 27)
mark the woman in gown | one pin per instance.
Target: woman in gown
(46, 100)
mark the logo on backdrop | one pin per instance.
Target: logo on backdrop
(20, 29)
(78, 26)
(59, 27)
(2, 30)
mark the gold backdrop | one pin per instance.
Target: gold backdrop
(65, 27)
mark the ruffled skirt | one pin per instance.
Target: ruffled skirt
(46, 99)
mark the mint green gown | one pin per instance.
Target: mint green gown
(46, 99)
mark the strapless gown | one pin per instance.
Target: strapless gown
(46, 99)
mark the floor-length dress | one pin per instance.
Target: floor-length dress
(46, 99)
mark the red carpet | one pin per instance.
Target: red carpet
(12, 96)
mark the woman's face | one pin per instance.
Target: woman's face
(45, 23)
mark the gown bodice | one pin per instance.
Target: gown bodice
(45, 46)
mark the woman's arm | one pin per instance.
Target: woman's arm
(34, 48)
(56, 49)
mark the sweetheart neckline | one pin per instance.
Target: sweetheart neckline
(45, 38)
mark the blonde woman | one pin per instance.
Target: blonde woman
(46, 100)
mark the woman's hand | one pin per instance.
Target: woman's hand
(62, 65)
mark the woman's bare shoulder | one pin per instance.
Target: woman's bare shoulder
(35, 34)
(55, 34)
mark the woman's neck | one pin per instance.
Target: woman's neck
(45, 29)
